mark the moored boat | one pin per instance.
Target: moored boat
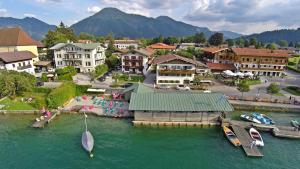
(231, 136)
(255, 135)
(249, 118)
(87, 139)
(264, 119)
(295, 123)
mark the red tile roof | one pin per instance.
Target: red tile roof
(221, 66)
(213, 49)
(9, 57)
(260, 52)
(166, 58)
(162, 46)
(15, 37)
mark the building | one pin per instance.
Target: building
(162, 46)
(136, 61)
(219, 55)
(217, 68)
(263, 62)
(124, 44)
(21, 61)
(187, 45)
(174, 69)
(150, 105)
(83, 56)
(15, 39)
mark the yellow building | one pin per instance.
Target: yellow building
(15, 39)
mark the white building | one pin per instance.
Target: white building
(124, 44)
(83, 56)
(21, 61)
(136, 61)
(173, 69)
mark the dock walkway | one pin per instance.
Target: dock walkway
(41, 123)
(246, 141)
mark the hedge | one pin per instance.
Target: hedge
(61, 95)
(66, 73)
(81, 89)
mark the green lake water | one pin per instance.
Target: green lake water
(119, 145)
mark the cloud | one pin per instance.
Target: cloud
(45, 1)
(3, 12)
(30, 15)
(93, 9)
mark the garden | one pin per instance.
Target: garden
(293, 63)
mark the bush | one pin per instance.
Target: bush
(81, 89)
(291, 63)
(100, 70)
(185, 54)
(61, 95)
(66, 73)
(44, 77)
(42, 90)
(273, 88)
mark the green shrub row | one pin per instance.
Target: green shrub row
(81, 89)
(61, 95)
(42, 90)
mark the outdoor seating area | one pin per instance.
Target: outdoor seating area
(99, 106)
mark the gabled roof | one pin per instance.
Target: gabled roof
(147, 52)
(162, 46)
(88, 46)
(126, 41)
(180, 102)
(166, 58)
(213, 49)
(9, 57)
(221, 66)
(15, 37)
(138, 88)
(260, 52)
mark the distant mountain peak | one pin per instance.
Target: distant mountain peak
(165, 18)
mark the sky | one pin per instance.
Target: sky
(242, 16)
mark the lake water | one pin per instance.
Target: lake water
(120, 145)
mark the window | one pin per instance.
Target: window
(13, 65)
(88, 63)
(141, 57)
(20, 64)
(79, 56)
(58, 55)
(133, 57)
(87, 56)
(66, 56)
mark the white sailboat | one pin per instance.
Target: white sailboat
(87, 139)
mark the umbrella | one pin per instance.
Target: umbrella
(249, 74)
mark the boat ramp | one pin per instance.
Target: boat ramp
(42, 123)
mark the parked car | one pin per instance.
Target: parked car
(164, 87)
(206, 91)
(182, 87)
(101, 79)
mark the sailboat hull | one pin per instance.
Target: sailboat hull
(87, 141)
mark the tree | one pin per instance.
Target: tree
(100, 70)
(273, 88)
(185, 54)
(216, 39)
(112, 61)
(283, 43)
(240, 42)
(199, 38)
(171, 40)
(253, 41)
(243, 87)
(86, 36)
(247, 43)
(230, 42)
(271, 46)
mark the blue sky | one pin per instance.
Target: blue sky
(243, 16)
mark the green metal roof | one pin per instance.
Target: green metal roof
(80, 45)
(138, 88)
(179, 102)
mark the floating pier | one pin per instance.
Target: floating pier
(246, 141)
(41, 123)
(175, 124)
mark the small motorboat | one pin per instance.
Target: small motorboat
(231, 136)
(87, 139)
(295, 123)
(249, 118)
(262, 118)
(256, 137)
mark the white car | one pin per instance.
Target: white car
(182, 87)
(164, 87)
(206, 91)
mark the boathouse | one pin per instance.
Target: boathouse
(152, 105)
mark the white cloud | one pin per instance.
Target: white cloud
(93, 9)
(44, 1)
(3, 12)
(30, 15)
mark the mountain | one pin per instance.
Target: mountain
(231, 35)
(290, 35)
(136, 26)
(34, 27)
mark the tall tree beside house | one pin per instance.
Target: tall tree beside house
(230, 42)
(243, 87)
(240, 42)
(271, 46)
(199, 38)
(86, 36)
(247, 43)
(171, 40)
(216, 39)
(283, 43)
(253, 41)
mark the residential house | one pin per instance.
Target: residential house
(264, 62)
(15, 39)
(174, 69)
(124, 44)
(136, 61)
(217, 68)
(162, 46)
(21, 61)
(218, 55)
(150, 105)
(83, 56)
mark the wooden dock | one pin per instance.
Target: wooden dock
(41, 124)
(246, 141)
(286, 133)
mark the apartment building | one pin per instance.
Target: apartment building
(83, 56)
(21, 61)
(124, 44)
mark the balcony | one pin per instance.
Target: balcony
(24, 67)
(132, 60)
(70, 58)
(260, 69)
(174, 71)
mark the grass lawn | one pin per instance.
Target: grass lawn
(278, 94)
(295, 61)
(294, 90)
(16, 105)
(252, 82)
(133, 78)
